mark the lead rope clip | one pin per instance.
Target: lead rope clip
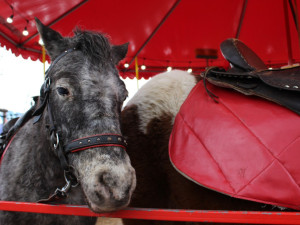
(62, 192)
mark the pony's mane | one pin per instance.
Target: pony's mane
(94, 45)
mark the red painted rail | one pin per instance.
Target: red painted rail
(160, 214)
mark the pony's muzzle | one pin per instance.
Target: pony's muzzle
(119, 190)
(113, 189)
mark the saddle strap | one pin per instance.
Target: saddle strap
(281, 86)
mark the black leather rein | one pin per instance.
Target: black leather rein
(94, 141)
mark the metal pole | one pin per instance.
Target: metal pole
(218, 216)
(241, 18)
(288, 34)
(294, 10)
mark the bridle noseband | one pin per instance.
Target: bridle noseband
(94, 141)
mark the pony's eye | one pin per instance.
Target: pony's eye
(62, 91)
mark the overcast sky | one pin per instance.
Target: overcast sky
(21, 79)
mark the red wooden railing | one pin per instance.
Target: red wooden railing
(219, 216)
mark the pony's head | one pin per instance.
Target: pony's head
(86, 96)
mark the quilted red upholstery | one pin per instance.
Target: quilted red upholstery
(242, 146)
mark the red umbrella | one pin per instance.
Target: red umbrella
(181, 34)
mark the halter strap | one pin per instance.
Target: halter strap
(99, 140)
(45, 89)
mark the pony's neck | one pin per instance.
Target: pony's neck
(45, 157)
(31, 165)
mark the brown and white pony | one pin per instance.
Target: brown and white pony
(147, 122)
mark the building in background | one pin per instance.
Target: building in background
(6, 115)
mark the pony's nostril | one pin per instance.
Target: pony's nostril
(106, 179)
(122, 202)
(100, 197)
(101, 178)
(127, 190)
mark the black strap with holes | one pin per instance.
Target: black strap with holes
(101, 140)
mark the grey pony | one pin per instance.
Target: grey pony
(86, 98)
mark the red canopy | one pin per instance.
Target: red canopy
(162, 33)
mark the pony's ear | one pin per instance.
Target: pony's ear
(54, 43)
(119, 52)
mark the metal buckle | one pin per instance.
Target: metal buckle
(47, 82)
(69, 176)
(62, 192)
(57, 142)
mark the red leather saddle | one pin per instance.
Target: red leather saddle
(245, 147)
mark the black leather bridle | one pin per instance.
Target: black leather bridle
(94, 141)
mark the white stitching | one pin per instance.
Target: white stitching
(234, 43)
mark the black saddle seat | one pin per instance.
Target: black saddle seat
(241, 56)
(249, 75)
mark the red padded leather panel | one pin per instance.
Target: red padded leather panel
(242, 146)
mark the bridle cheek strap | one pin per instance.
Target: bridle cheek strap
(95, 141)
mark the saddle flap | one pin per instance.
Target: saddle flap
(287, 79)
(280, 86)
(249, 75)
(243, 146)
(241, 56)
